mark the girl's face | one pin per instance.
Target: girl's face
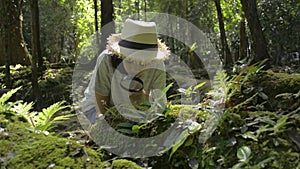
(132, 68)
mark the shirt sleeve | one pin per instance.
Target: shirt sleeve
(103, 77)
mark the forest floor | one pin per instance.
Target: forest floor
(259, 127)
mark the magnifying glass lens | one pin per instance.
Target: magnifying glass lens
(132, 84)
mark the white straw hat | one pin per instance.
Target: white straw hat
(138, 43)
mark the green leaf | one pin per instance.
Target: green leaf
(193, 47)
(263, 162)
(8, 95)
(167, 88)
(199, 85)
(178, 144)
(238, 166)
(281, 122)
(63, 117)
(263, 95)
(22, 108)
(135, 128)
(243, 153)
(124, 125)
(249, 135)
(43, 120)
(125, 131)
(189, 142)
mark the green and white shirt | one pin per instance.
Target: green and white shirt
(108, 79)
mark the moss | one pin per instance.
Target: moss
(277, 83)
(23, 148)
(266, 83)
(5, 147)
(66, 162)
(52, 150)
(186, 112)
(124, 164)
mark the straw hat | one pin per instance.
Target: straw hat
(138, 43)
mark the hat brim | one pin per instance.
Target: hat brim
(138, 56)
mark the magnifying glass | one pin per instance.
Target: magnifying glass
(132, 84)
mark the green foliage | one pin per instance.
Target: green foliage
(44, 120)
(23, 148)
(280, 20)
(193, 127)
(6, 107)
(39, 121)
(190, 91)
(58, 80)
(65, 27)
(246, 131)
(245, 137)
(250, 135)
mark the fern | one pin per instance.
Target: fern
(44, 120)
(22, 109)
(218, 97)
(39, 121)
(8, 95)
(4, 98)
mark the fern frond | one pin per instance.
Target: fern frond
(51, 110)
(44, 120)
(22, 109)
(8, 95)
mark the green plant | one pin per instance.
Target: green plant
(39, 121)
(5, 97)
(44, 120)
(244, 156)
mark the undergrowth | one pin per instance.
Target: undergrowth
(257, 127)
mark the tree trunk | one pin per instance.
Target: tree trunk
(12, 28)
(137, 6)
(259, 42)
(225, 52)
(107, 24)
(35, 40)
(96, 23)
(145, 10)
(243, 40)
(5, 40)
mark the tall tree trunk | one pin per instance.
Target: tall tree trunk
(35, 29)
(96, 24)
(17, 52)
(137, 6)
(107, 24)
(34, 7)
(4, 42)
(259, 42)
(226, 54)
(243, 40)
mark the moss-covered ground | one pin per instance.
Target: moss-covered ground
(258, 129)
